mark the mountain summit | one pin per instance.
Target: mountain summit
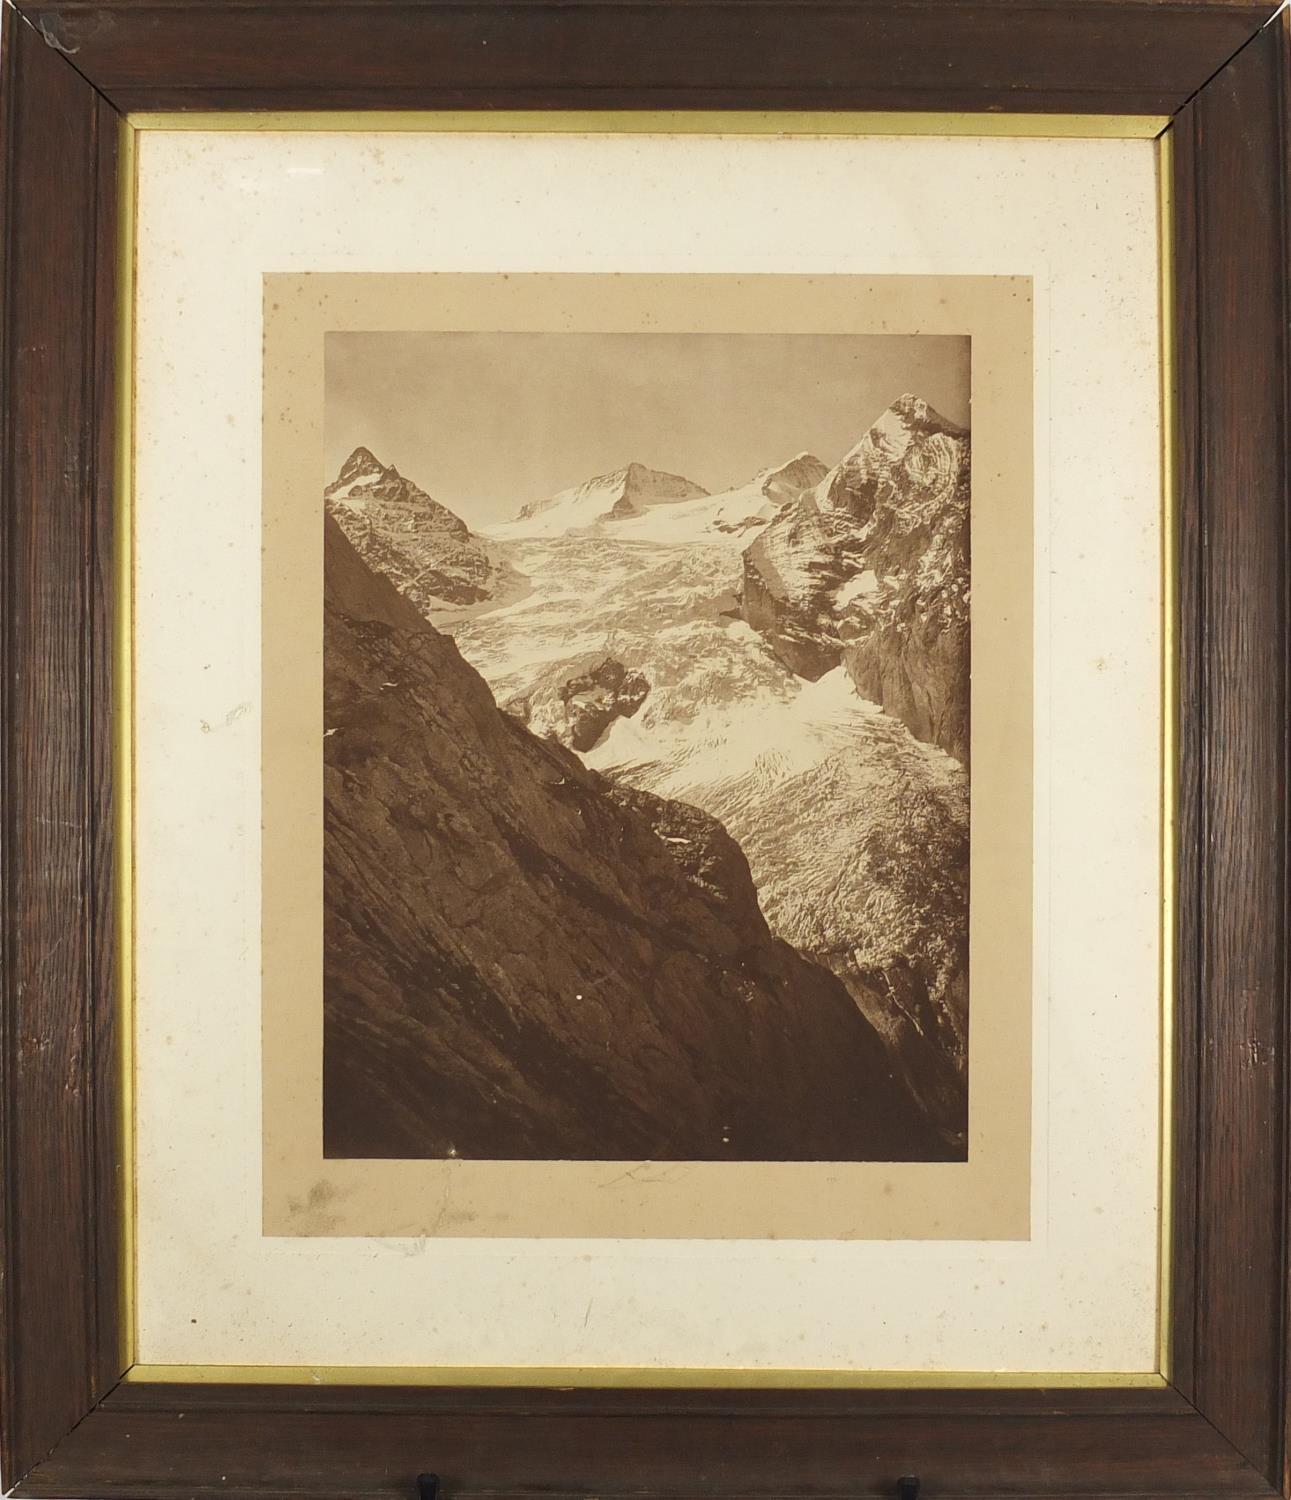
(787, 481)
(426, 551)
(618, 496)
(753, 504)
(361, 464)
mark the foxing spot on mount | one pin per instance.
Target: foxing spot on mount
(646, 804)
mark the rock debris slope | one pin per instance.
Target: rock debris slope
(524, 958)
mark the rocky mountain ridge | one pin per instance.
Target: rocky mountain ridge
(626, 492)
(422, 547)
(870, 568)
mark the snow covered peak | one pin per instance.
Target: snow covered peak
(909, 463)
(620, 495)
(422, 547)
(361, 464)
(788, 480)
(912, 408)
(361, 472)
(802, 462)
(908, 417)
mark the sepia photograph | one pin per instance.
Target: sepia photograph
(646, 669)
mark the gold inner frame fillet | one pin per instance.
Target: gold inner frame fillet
(666, 122)
(750, 123)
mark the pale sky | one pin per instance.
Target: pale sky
(488, 422)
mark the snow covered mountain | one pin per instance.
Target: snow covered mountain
(870, 567)
(627, 492)
(757, 502)
(425, 550)
(636, 504)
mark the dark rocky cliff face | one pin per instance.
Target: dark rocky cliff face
(523, 959)
(871, 568)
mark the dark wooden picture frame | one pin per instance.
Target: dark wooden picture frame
(1219, 71)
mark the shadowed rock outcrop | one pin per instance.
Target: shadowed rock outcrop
(577, 703)
(524, 959)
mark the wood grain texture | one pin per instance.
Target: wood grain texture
(58, 1058)
(1190, 626)
(1232, 316)
(1144, 56)
(207, 1441)
(1283, 65)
